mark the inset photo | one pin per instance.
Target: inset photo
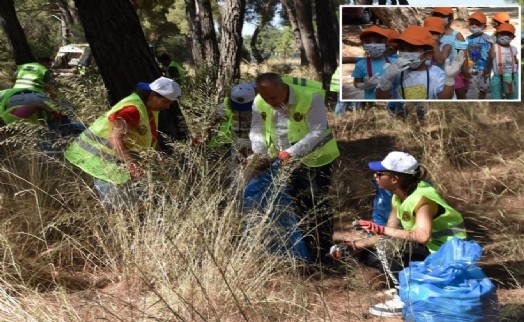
(398, 53)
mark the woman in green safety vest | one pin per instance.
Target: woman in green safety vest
(109, 149)
(418, 214)
(290, 123)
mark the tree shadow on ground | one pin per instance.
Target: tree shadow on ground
(351, 181)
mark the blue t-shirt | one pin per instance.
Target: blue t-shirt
(377, 68)
(478, 48)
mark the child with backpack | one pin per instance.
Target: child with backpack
(504, 64)
(457, 42)
(479, 45)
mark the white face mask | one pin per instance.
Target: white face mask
(446, 20)
(374, 50)
(413, 56)
(475, 30)
(504, 40)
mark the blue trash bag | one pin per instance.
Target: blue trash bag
(448, 286)
(259, 197)
(381, 204)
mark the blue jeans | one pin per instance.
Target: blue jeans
(119, 197)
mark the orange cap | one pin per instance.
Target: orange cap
(446, 11)
(479, 16)
(392, 33)
(506, 27)
(435, 24)
(416, 35)
(374, 30)
(501, 17)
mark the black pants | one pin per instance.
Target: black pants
(310, 191)
(397, 261)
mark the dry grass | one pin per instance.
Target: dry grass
(183, 254)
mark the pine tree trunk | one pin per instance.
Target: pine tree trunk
(122, 55)
(14, 32)
(398, 18)
(328, 36)
(118, 44)
(304, 14)
(209, 39)
(195, 32)
(230, 44)
(296, 30)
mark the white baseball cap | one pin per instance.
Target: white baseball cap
(167, 88)
(396, 161)
(242, 97)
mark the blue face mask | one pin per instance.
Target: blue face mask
(475, 30)
(504, 40)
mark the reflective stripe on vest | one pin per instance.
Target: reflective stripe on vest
(92, 152)
(444, 227)
(17, 98)
(322, 153)
(30, 76)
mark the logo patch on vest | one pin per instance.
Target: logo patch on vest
(406, 216)
(298, 117)
(142, 129)
(263, 115)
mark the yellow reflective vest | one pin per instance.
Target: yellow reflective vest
(15, 98)
(326, 150)
(335, 81)
(32, 76)
(314, 85)
(444, 227)
(224, 135)
(92, 152)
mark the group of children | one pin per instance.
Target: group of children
(435, 61)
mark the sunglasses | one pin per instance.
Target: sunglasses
(380, 174)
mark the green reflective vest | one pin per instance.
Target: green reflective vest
(17, 98)
(224, 135)
(180, 70)
(92, 152)
(31, 75)
(335, 81)
(316, 86)
(326, 150)
(444, 227)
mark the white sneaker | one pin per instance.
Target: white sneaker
(389, 308)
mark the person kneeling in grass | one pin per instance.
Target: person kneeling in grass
(418, 215)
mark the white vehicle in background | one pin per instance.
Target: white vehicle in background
(73, 59)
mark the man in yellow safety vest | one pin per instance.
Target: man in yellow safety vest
(290, 123)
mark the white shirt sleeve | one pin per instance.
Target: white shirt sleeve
(316, 120)
(256, 134)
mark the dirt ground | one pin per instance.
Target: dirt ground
(350, 47)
